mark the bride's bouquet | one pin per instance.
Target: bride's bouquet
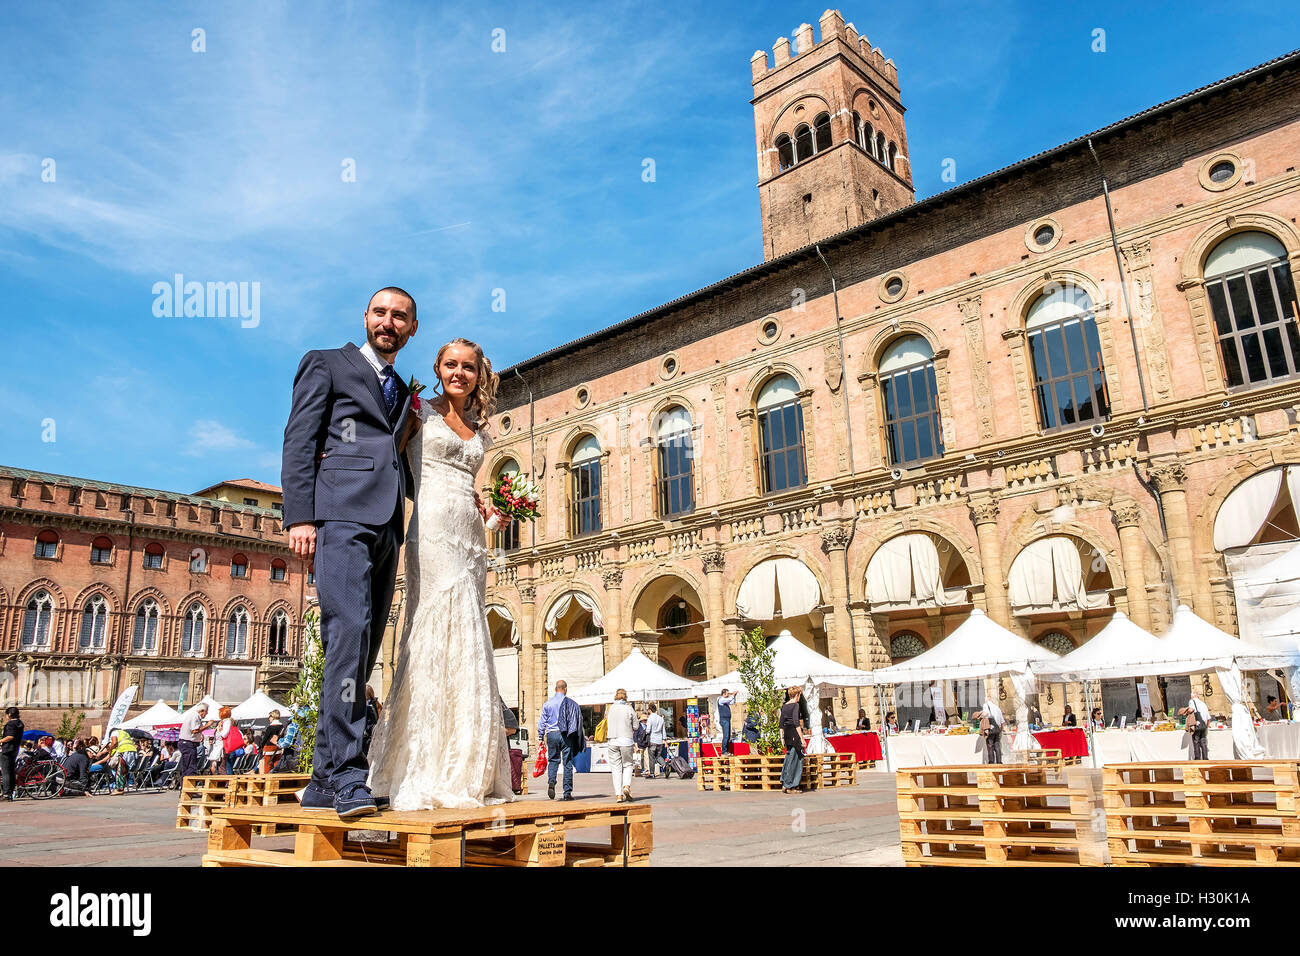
(515, 498)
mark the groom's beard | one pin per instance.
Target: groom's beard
(390, 344)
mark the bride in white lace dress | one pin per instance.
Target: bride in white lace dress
(441, 741)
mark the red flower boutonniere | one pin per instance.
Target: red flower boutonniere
(415, 389)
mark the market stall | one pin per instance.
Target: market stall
(159, 715)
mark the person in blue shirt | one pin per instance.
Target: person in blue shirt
(560, 726)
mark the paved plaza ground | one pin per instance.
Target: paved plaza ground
(849, 826)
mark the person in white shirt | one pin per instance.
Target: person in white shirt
(993, 735)
(620, 722)
(1198, 715)
(724, 718)
(190, 736)
(658, 734)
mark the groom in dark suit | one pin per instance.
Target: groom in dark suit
(345, 486)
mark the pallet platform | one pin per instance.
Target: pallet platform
(516, 834)
(833, 770)
(201, 796)
(1187, 813)
(713, 773)
(998, 815)
(759, 772)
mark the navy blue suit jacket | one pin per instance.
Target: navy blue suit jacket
(341, 461)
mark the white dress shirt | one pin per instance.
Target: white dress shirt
(1200, 707)
(375, 361)
(994, 713)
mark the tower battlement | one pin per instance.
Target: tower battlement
(833, 28)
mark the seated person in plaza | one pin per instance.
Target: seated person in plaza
(44, 749)
(864, 722)
(77, 769)
(270, 741)
(891, 722)
(750, 729)
(1068, 720)
(828, 722)
(1098, 720)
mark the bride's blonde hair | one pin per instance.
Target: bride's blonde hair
(482, 401)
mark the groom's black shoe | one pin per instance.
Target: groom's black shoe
(317, 798)
(355, 801)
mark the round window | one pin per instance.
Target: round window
(583, 396)
(1044, 234)
(505, 423)
(1222, 171)
(769, 330)
(670, 366)
(894, 286)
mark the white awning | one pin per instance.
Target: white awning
(1120, 649)
(561, 608)
(1048, 576)
(1247, 507)
(905, 572)
(793, 662)
(979, 647)
(258, 707)
(798, 587)
(507, 665)
(642, 678)
(158, 715)
(578, 662)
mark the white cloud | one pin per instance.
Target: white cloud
(208, 436)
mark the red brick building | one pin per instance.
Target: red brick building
(103, 586)
(989, 398)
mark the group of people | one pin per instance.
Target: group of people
(276, 748)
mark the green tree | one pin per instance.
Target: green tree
(305, 698)
(763, 698)
(69, 726)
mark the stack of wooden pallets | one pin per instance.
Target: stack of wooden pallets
(713, 773)
(518, 834)
(1220, 813)
(203, 795)
(833, 770)
(999, 815)
(759, 772)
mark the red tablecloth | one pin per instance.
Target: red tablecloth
(1071, 741)
(863, 745)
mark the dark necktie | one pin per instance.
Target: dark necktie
(390, 388)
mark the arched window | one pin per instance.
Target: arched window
(822, 125)
(1066, 353)
(696, 668)
(857, 127)
(881, 152)
(196, 626)
(586, 486)
(911, 398)
(869, 138)
(239, 566)
(677, 618)
(101, 550)
(94, 624)
(1252, 296)
(1057, 642)
(38, 621)
(507, 538)
(279, 634)
(278, 569)
(784, 152)
(780, 430)
(144, 640)
(905, 644)
(803, 143)
(153, 556)
(237, 633)
(676, 462)
(47, 544)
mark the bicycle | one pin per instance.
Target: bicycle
(39, 779)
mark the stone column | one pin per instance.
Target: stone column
(615, 650)
(1170, 479)
(532, 661)
(715, 634)
(984, 513)
(835, 541)
(1132, 552)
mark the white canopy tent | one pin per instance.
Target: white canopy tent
(642, 678)
(979, 647)
(1120, 649)
(798, 587)
(793, 662)
(158, 715)
(258, 707)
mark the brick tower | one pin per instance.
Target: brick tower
(832, 149)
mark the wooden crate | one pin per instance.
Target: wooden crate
(833, 770)
(713, 773)
(1188, 813)
(516, 834)
(999, 815)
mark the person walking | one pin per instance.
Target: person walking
(11, 741)
(724, 718)
(794, 712)
(1198, 719)
(560, 725)
(654, 724)
(991, 725)
(620, 723)
(193, 722)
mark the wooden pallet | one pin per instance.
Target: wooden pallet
(517, 834)
(999, 815)
(833, 770)
(713, 773)
(1050, 758)
(202, 795)
(1188, 813)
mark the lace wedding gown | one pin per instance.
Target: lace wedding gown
(440, 741)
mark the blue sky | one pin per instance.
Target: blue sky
(476, 171)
